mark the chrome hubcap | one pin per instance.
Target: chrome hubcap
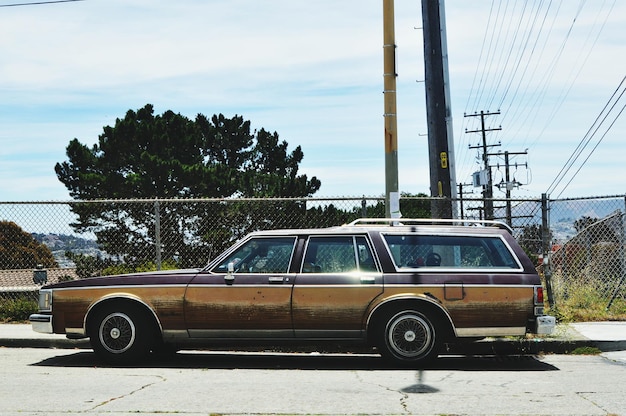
(409, 335)
(115, 333)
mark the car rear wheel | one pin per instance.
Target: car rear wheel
(120, 335)
(409, 337)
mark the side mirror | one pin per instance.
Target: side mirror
(230, 277)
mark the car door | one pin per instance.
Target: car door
(246, 295)
(338, 279)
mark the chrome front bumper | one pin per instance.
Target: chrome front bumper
(41, 323)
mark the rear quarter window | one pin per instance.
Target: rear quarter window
(410, 251)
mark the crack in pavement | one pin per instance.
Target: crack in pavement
(161, 379)
(583, 394)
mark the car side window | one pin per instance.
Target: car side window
(470, 252)
(365, 256)
(260, 255)
(341, 254)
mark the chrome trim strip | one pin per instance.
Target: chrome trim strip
(490, 331)
(119, 287)
(464, 284)
(235, 285)
(358, 279)
(225, 334)
(483, 270)
(386, 285)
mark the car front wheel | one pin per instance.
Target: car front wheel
(120, 335)
(409, 337)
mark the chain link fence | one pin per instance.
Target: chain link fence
(582, 240)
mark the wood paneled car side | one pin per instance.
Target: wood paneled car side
(404, 288)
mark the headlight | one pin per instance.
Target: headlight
(45, 300)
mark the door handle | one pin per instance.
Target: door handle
(276, 280)
(368, 279)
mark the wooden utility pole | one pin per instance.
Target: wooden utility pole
(392, 195)
(487, 189)
(438, 110)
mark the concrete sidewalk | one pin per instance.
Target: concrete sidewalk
(606, 336)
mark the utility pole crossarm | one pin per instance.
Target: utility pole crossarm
(488, 189)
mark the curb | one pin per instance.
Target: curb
(59, 343)
(531, 347)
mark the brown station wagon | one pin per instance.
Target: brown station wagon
(405, 288)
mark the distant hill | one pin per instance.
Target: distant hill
(60, 243)
(563, 213)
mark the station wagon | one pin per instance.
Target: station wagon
(404, 287)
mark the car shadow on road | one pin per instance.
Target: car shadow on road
(302, 361)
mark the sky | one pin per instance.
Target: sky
(313, 72)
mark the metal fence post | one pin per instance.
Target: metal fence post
(157, 233)
(363, 208)
(545, 247)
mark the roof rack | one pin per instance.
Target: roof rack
(430, 221)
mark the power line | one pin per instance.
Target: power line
(600, 119)
(38, 3)
(518, 63)
(592, 150)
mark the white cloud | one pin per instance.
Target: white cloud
(312, 71)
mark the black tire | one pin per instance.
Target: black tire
(121, 335)
(409, 337)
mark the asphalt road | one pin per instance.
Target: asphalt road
(39, 381)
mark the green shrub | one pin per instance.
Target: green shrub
(16, 310)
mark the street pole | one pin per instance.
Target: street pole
(392, 195)
(438, 110)
(487, 189)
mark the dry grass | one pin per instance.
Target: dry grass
(584, 302)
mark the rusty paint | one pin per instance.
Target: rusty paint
(73, 305)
